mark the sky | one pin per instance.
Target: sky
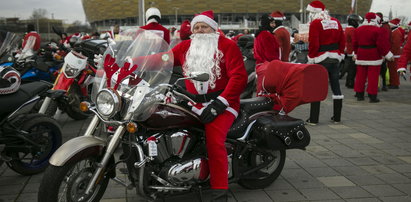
(72, 10)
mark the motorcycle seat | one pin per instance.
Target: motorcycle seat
(248, 107)
(11, 102)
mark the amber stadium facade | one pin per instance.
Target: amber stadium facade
(229, 13)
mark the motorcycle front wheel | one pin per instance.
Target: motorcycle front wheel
(69, 182)
(45, 133)
(266, 175)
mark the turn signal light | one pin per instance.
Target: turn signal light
(84, 106)
(131, 127)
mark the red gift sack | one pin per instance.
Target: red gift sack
(293, 84)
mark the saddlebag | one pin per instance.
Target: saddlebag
(279, 132)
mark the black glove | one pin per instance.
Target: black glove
(212, 111)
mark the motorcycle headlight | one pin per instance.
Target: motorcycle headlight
(108, 102)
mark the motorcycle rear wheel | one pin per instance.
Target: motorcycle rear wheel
(270, 173)
(43, 131)
(69, 182)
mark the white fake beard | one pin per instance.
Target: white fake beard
(204, 56)
(323, 15)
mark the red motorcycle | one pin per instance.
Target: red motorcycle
(73, 83)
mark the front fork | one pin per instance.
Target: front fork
(113, 144)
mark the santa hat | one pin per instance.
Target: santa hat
(185, 30)
(371, 19)
(278, 15)
(395, 22)
(206, 17)
(315, 6)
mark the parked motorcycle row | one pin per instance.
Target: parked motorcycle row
(136, 110)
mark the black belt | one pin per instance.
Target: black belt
(328, 47)
(368, 46)
(207, 97)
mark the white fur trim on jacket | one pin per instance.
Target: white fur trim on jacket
(389, 55)
(369, 62)
(338, 97)
(372, 23)
(326, 55)
(402, 69)
(222, 99)
(202, 18)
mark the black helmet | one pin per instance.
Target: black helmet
(9, 80)
(354, 20)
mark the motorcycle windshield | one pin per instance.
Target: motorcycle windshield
(8, 41)
(135, 57)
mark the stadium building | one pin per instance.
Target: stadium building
(230, 14)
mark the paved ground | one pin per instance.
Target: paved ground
(365, 158)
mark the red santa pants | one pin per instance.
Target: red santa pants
(367, 72)
(392, 67)
(216, 133)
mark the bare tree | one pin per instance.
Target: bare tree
(38, 13)
(404, 20)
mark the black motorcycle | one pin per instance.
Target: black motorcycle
(27, 140)
(163, 143)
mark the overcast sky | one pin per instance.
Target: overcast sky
(72, 10)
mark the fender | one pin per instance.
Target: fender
(62, 82)
(75, 147)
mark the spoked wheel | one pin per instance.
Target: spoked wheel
(68, 183)
(266, 175)
(74, 98)
(43, 138)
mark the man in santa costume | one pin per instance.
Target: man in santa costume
(370, 47)
(153, 17)
(349, 63)
(405, 57)
(266, 47)
(326, 47)
(282, 35)
(31, 42)
(387, 32)
(397, 39)
(210, 52)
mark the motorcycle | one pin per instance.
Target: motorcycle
(162, 142)
(74, 80)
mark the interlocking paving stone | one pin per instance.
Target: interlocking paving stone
(365, 180)
(383, 190)
(406, 188)
(286, 195)
(378, 169)
(351, 192)
(394, 178)
(396, 199)
(319, 194)
(335, 181)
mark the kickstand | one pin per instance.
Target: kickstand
(200, 194)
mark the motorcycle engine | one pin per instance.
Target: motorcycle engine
(172, 144)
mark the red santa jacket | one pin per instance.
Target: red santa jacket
(349, 31)
(34, 45)
(326, 40)
(158, 29)
(405, 56)
(233, 74)
(283, 38)
(370, 45)
(266, 48)
(397, 39)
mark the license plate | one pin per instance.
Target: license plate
(152, 148)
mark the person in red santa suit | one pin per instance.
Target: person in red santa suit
(326, 47)
(387, 32)
(349, 64)
(282, 35)
(185, 30)
(397, 39)
(370, 47)
(208, 51)
(153, 17)
(31, 42)
(404, 58)
(266, 47)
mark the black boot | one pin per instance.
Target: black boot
(373, 98)
(314, 113)
(337, 110)
(360, 96)
(219, 195)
